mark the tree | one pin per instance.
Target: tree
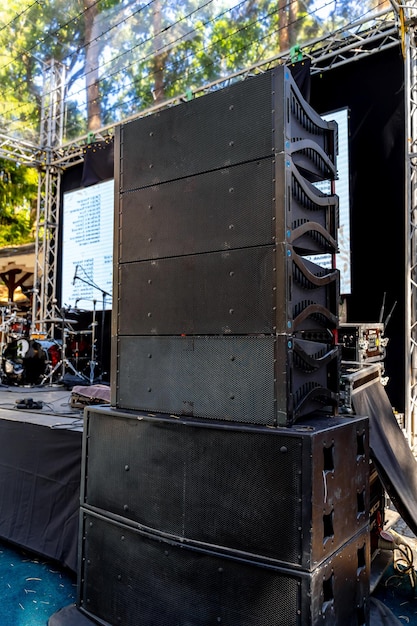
(130, 53)
(92, 53)
(288, 12)
(18, 188)
(191, 43)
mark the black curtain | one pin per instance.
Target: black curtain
(97, 166)
(373, 90)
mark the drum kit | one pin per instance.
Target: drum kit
(30, 358)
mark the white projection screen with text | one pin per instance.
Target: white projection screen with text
(87, 247)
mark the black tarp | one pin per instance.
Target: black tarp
(390, 451)
(372, 88)
(381, 615)
(40, 472)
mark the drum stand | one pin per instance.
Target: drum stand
(64, 363)
(4, 329)
(93, 362)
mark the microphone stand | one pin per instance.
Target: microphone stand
(103, 295)
(93, 362)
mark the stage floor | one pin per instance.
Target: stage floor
(56, 410)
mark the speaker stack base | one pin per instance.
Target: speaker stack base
(137, 578)
(191, 521)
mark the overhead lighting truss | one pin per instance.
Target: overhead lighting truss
(19, 151)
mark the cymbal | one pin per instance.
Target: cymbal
(60, 320)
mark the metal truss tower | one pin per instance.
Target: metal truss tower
(407, 16)
(48, 206)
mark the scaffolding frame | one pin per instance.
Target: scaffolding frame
(407, 16)
(44, 301)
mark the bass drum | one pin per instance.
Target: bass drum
(28, 362)
(41, 360)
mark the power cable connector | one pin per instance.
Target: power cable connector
(29, 404)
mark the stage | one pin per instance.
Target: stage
(40, 465)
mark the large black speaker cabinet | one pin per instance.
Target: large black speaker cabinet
(292, 496)
(249, 204)
(264, 289)
(249, 120)
(267, 380)
(134, 578)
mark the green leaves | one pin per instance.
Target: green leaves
(18, 188)
(131, 53)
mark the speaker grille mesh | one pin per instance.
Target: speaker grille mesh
(132, 579)
(214, 377)
(210, 485)
(224, 128)
(214, 294)
(253, 490)
(220, 210)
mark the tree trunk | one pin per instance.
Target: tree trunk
(287, 11)
(160, 56)
(292, 26)
(91, 66)
(283, 38)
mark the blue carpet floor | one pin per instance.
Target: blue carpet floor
(31, 589)
(398, 593)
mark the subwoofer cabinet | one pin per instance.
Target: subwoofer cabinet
(289, 496)
(131, 577)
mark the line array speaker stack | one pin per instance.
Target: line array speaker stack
(219, 313)
(222, 486)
